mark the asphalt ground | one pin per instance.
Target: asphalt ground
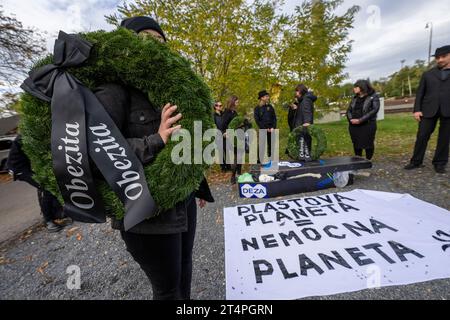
(34, 264)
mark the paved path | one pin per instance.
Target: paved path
(19, 208)
(399, 109)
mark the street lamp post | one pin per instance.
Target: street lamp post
(409, 84)
(403, 82)
(430, 26)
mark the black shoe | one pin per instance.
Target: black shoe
(412, 166)
(53, 227)
(440, 169)
(233, 179)
(64, 222)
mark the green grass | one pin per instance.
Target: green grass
(395, 138)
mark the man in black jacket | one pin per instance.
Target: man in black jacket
(301, 113)
(304, 107)
(433, 104)
(266, 118)
(162, 246)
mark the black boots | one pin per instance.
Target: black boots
(413, 166)
(440, 169)
(53, 227)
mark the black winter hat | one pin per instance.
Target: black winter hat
(137, 24)
(262, 94)
(442, 51)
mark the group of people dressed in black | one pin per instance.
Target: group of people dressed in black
(361, 114)
(432, 105)
(265, 118)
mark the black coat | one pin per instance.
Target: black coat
(433, 94)
(291, 118)
(218, 120)
(265, 117)
(304, 112)
(227, 117)
(139, 122)
(370, 108)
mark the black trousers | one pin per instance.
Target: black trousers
(308, 140)
(166, 259)
(236, 169)
(266, 149)
(224, 165)
(369, 153)
(426, 129)
(50, 207)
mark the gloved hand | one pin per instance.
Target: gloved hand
(280, 176)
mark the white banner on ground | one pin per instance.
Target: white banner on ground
(334, 243)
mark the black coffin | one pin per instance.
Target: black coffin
(314, 176)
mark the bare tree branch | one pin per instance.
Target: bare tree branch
(19, 47)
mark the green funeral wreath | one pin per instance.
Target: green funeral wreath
(319, 142)
(123, 57)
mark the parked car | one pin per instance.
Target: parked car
(5, 146)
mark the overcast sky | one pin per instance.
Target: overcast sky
(386, 31)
